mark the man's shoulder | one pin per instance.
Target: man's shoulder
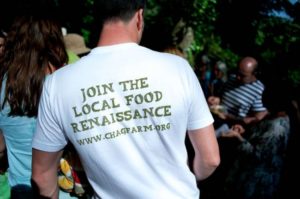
(260, 83)
(257, 86)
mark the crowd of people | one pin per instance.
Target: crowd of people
(113, 121)
(253, 127)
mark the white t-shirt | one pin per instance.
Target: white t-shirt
(126, 109)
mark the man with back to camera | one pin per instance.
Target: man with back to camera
(127, 117)
(242, 95)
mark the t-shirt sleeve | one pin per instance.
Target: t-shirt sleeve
(199, 115)
(49, 136)
(258, 105)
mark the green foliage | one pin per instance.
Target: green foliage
(214, 50)
(294, 77)
(152, 10)
(204, 20)
(225, 30)
(276, 34)
(278, 41)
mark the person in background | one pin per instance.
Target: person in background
(241, 96)
(76, 44)
(72, 57)
(127, 117)
(240, 103)
(219, 78)
(4, 185)
(2, 40)
(174, 50)
(34, 48)
(258, 167)
(203, 72)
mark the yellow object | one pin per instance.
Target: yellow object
(65, 178)
(68, 180)
(72, 57)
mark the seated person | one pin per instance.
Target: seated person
(241, 98)
(257, 169)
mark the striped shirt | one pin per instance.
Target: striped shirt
(242, 99)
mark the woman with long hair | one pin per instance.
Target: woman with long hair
(34, 48)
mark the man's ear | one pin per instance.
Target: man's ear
(140, 19)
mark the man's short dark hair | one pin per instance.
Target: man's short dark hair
(124, 10)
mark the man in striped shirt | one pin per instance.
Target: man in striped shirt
(242, 95)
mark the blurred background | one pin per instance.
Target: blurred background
(226, 30)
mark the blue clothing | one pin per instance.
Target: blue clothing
(242, 99)
(18, 133)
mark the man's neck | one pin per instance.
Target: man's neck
(117, 33)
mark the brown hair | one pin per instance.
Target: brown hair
(32, 44)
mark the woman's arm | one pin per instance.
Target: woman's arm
(2, 145)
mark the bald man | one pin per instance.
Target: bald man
(242, 95)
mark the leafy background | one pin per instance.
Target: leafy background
(224, 30)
